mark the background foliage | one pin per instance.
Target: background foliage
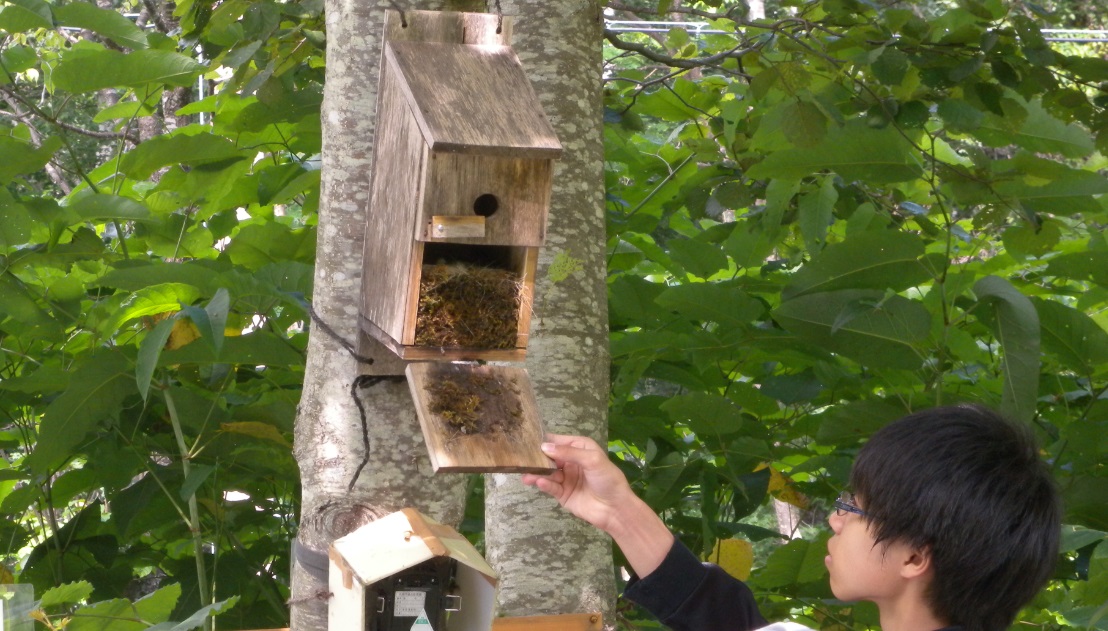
(838, 215)
(818, 221)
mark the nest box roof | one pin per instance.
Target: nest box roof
(472, 99)
(402, 540)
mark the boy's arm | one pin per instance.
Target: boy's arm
(588, 485)
(670, 581)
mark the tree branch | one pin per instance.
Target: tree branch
(676, 62)
(33, 109)
(51, 169)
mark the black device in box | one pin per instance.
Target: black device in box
(425, 589)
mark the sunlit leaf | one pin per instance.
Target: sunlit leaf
(1016, 325)
(884, 334)
(107, 22)
(96, 70)
(735, 556)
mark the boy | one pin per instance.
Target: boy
(953, 523)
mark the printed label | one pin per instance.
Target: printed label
(409, 604)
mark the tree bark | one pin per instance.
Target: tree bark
(328, 432)
(550, 562)
(559, 44)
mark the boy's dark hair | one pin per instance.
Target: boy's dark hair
(970, 486)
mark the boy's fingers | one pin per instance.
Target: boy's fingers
(579, 442)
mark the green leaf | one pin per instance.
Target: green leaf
(150, 349)
(109, 23)
(631, 299)
(25, 15)
(17, 301)
(132, 276)
(665, 481)
(95, 394)
(849, 423)
(1072, 336)
(154, 300)
(15, 225)
(854, 151)
(256, 349)
(17, 59)
(21, 158)
(1073, 192)
(110, 615)
(722, 302)
(873, 259)
(1092, 265)
(102, 206)
(195, 149)
(89, 71)
(1040, 132)
(891, 67)
(158, 606)
(804, 124)
(258, 245)
(794, 563)
(816, 209)
(197, 619)
(217, 309)
(882, 335)
(960, 117)
(707, 414)
(66, 594)
(1016, 326)
(696, 257)
(196, 477)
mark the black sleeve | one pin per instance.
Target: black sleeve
(687, 595)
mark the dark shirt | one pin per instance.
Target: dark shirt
(687, 595)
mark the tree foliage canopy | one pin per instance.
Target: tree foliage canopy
(826, 219)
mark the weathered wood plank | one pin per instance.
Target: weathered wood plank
(507, 398)
(484, 103)
(521, 187)
(566, 622)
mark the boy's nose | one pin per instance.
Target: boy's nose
(835, 520)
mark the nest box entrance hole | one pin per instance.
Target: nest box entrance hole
(486, 205)
(474, 296)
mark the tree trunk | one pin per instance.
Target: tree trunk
(328, 433)
(549, 561)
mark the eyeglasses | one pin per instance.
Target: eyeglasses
(845, 504)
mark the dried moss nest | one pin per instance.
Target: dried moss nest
(463, 306)
(472, 403)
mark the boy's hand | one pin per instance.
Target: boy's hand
(588, 485)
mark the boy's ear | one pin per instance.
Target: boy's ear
(916, 563)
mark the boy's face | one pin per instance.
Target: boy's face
(861, 570)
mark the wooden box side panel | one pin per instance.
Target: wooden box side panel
(521, 187)
(528, 260)
(565, 622)
(398, 165)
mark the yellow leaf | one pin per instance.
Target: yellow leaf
(735, 556)
(781, 487)
(184, 332)
(255, 429)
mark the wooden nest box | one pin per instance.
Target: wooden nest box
(457, 212)
(406, 571)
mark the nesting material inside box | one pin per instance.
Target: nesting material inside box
(464, 305)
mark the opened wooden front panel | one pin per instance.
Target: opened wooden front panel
(478, 418)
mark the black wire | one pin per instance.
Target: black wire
(403, 18)
(362, 382)
(362, 359)
(499, 18)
